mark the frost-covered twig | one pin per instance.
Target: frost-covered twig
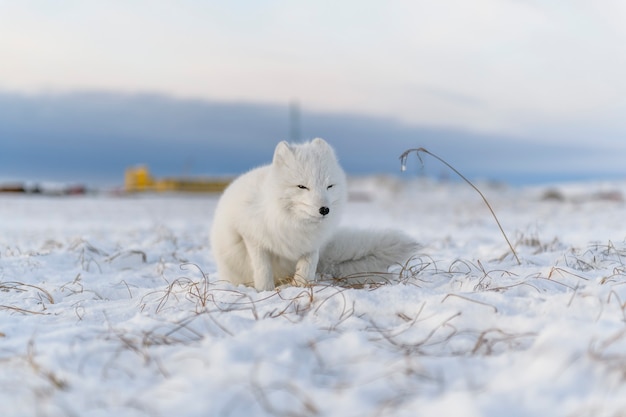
(403, 159)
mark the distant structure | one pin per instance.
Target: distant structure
(139, 179)
(55, 190)
(294, 121)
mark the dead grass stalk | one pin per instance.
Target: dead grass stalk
(403, 159)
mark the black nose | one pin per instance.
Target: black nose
(324, 211)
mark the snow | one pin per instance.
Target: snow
(111, 305)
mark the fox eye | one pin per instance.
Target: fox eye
(303, 187)
(330, 186)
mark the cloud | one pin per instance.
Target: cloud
(548, 69)
(92, 137)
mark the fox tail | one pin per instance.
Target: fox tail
(365, 256)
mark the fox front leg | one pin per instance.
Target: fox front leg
(261, 263)
(305, 268)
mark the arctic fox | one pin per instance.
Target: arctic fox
(280, 222)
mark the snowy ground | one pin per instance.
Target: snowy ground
(112, 306)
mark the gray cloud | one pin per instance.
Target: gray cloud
(92, 137)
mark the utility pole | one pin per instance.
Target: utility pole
(294, 121)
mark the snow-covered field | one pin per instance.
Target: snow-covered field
(112, 306)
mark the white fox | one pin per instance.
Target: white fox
(280, 222)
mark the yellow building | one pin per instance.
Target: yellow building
(139, 179)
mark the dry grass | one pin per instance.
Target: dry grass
(50, 380)
(41, 296)
(609, 352)
(403, 159)
(413, 336)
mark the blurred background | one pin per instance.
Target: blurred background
(513, 91)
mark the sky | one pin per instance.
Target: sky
(525, 75)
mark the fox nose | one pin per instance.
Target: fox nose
(324, 210)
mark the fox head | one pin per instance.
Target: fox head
(310, 183)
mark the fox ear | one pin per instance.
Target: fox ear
(281, 153)
(320, 142)
(323, 147)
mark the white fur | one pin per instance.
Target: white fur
(269, 226)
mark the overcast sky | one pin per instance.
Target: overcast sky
(503, 65)
(545, 70)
